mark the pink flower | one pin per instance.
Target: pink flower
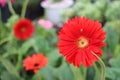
(3, 2)
(13, 1)
(45, 23)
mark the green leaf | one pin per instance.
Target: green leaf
(113, 72)
(48, 72)
(10, 68)
(40, 44)
(38, 76)
(3, 32)
(63, 72)
(114, 9)
(7, 76)
(77, 73)
(117, 51)
(115, 25)
(114, 62)
(25, 47)
(112, 39)
(11, 21)
(54, 57)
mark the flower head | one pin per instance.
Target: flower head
(45, 24)
(13, 1)
(80, 37)
(3, 2)
(23, 29)
(35, 62)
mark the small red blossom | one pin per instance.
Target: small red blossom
(23, 29)
(35, 62)
(78, 38)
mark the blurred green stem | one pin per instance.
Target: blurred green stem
(77, 73)
(96, 69)
(85, 70)
(10, 7)
(19, 62)
(24, 8)
(102, 66)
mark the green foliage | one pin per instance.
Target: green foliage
(98, 10)
(60, 73)
(48, 73)
(54, 58)
(7, 76)
(10, 68)
(113, 72)
(113, 11)
(63, 72)
(117, 51)
(112, 39)
(115, 25)
(11, 21)
(13, 51)
(38, 76)
(25, 47)
(55, 1)
(86, 8)
(32, 4)
(40, 44)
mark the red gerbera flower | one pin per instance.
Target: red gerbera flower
(35, 62)
(80, 37)
(23, 29)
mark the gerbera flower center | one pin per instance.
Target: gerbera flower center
(23, 29)
(83, 42)
(36, 65)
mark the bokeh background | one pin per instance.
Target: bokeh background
(44, 39)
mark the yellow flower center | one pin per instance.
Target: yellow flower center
(83, 42)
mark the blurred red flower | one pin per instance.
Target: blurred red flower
(78, 38)
(23, 29)
(35, 62)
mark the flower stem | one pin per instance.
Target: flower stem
(85, 73)
(19, 62)
(10, 7)
(102, 66)
(96, 69)
(76, 72)
(24, 8)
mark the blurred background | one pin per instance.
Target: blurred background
(48, 17)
